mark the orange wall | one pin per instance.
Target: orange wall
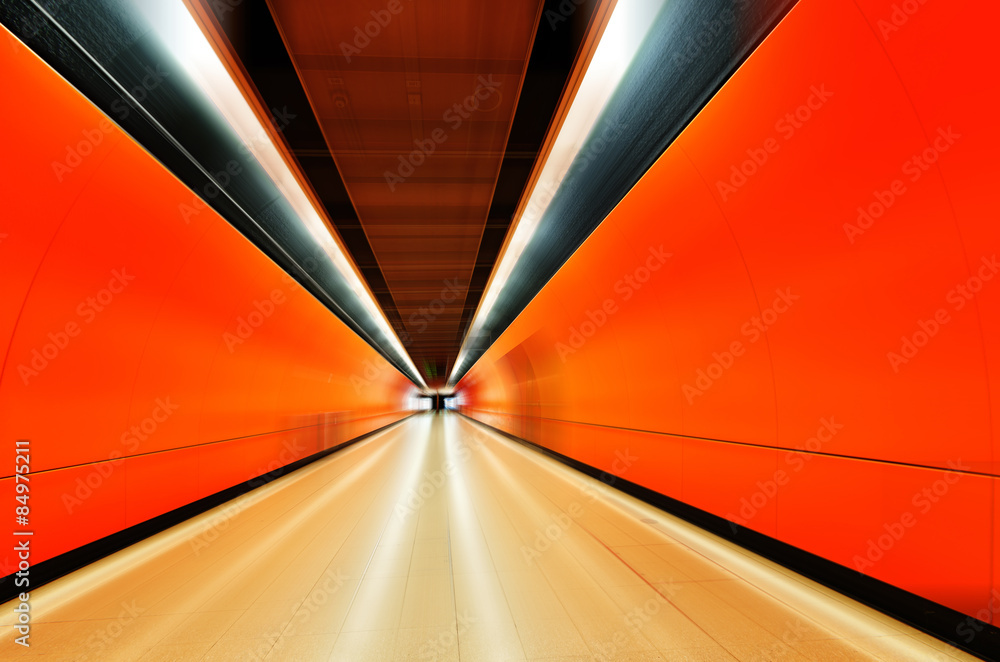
(874, 87)
(143, 395)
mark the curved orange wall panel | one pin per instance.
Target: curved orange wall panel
(150, 360)
(815, 357)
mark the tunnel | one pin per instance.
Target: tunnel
(537, 330)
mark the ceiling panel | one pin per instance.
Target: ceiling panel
(416, 115)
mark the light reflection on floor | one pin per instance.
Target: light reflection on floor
(441, 540)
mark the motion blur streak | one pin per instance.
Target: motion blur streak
(815, 367)
(184, 374)
(746, 344)
(439, 538)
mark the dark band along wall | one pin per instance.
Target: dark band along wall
(152, 356)
(793, 320)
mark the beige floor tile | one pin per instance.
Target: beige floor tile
(552, 638)
(834, 650)
(203, 627)
(429, 602)
(367, 646)
(426, 644)
(228, 650)
(302, 647)
(490, 642)
(765, 652)
(176, 653)
(534, 602)
(707, 654)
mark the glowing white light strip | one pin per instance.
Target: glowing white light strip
(629, 23)
(180, 33)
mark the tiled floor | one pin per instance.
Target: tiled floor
(440, 540)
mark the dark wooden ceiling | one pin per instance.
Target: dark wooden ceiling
(415, 107)
(422, 192)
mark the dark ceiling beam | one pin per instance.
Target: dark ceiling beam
(428, 65)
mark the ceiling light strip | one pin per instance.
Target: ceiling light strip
(179, 31)
(628, 26)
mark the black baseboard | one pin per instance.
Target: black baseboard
(953, 627)
(67, 562)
